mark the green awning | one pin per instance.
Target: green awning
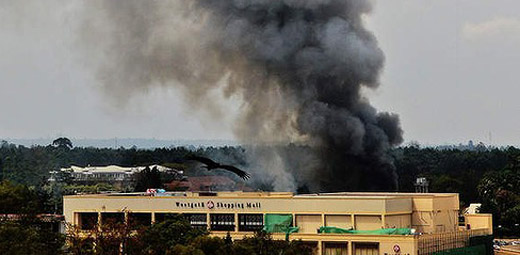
(279, 223)
(383, 231)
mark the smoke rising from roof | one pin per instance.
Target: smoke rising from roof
(297, 65)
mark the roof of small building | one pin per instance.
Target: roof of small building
(115, 169)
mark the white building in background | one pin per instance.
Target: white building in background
(111, 173)
(472, 209)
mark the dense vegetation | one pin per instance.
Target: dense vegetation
(490, 176)
(176, 236)
(22, 232)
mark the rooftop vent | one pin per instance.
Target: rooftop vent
(421, 185)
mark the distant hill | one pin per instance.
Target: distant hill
(140, 143)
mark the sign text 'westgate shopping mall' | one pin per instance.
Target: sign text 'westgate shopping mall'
(218, 205)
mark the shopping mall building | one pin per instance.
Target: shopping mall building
(333, 223)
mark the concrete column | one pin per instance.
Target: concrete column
(236, 222)
(76, 219)
(99, 221)
(208, 221)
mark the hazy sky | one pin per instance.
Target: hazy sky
(451, 74)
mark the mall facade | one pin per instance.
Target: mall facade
(332, 223)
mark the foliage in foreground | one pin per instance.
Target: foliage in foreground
(29, 238)
(174, 237)
(500, 193)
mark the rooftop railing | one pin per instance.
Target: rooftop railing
(432, 243)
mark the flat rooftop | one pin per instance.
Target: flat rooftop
(241, 194)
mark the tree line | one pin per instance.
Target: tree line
(23, 232)
(484, 175)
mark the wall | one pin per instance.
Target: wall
(340, 221)
(303, 205)
(363, 222)
(308, 223)
(398, 221)
(479, 221)
(445, 220)
(435, 213)
(430, 213)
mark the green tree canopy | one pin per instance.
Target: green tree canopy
(62, 142)
(148, 179)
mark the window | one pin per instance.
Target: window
(112, 218)
(161, 217)
(250, 222)
(197, 220)
(366, 248)
(87, 221)
(222, 222)
(139, 220)
(335, 249)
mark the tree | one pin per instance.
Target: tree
(2, 170)
(500, 194)
(29, 239)
(263, 244)
(174, 236)
(147, 179)
(18, 199)
(109, 238)
(446, 184)
(164, 236)
(63, 143)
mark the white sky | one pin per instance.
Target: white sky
(451, 73)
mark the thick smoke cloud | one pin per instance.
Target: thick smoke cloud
(297, 65)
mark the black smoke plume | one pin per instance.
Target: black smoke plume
(298, 67)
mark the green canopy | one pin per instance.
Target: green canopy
(383, 231)
(279, 223)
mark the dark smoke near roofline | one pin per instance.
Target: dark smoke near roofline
(297, 65)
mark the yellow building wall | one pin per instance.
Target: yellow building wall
(398, 205)
(445, 220)
(340, 221)
(435, 213)
(365, 222)
(422, 221)
(398, 221)
(427, 213)
(479, 221)
(308, 223)
(277, 205)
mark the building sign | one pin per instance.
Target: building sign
(218, 205)
(397, 248)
